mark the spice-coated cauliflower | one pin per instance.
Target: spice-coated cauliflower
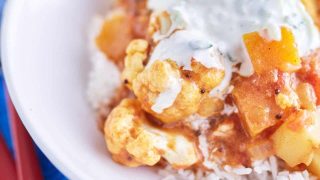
(164, 89)
(133, 141)
(184, 95)
(136, 56)
(171, 94)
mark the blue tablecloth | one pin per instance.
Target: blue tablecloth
(48, 170)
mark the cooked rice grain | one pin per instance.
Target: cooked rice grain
(104, 77)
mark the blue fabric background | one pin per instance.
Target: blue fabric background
(48, 170)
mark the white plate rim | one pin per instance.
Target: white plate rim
(11, 11)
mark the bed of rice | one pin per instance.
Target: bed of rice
(104, 79)
(263, 170)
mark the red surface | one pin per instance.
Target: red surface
(27, 164)
(7, 166)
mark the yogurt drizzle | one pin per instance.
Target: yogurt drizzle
(182, 46)
(167, 97)
(221, 24)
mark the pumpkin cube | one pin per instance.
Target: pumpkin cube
(115, 36)
(268, 54)
(255, 99)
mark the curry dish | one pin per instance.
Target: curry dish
(214, 85)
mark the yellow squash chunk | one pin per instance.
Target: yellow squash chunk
(115, 36)
(270, 54)
(296, 140)
(210, 106)
(315, 165)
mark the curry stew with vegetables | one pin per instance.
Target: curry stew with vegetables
(272, 112)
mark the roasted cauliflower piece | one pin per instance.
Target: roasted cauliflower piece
(134, 61)
(164, 94)
(210, 106)
(287, 100)
(165, 89)
(205, 78)
(133, 141)
(172, 94)
(163, 24)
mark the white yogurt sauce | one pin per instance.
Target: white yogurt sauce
(225, 21)
(183, 45)
(222, 23)
(167, 97)
(160, 5)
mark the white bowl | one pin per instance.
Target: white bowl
(45, 61)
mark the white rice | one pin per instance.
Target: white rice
(229, 109)
(230, 173)
(104, 77)
(197, 123)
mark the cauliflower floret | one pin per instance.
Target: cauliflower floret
(205, 78)
(136, 55)
(287, 100)
(210, 106)
(184, 99)
(171, 94)
(288, 97)
(133, 141)
(165, 89)
(163, 24)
